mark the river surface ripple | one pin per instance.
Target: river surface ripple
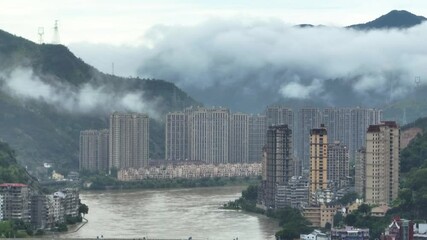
(171, 213)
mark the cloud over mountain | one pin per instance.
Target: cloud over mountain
(247, 64)
(89, 98)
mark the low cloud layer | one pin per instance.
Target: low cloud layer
(87, 99)
(249, 64)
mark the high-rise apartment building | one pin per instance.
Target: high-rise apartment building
(88, 150)
(129, 138)
(214, 135)
(338, 166)
(359, 172)
(349, 125)
(257, 130)
(279, 162)
(338, 121)
(103, 149)
(239, 138)
(318, 160)
(308, 118)
(177, 136)
(94, 150)
(280, 115)
(382, 163)
(361, 119)
(209, 135)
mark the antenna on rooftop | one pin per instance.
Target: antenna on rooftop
(40, 33)
(56, 33)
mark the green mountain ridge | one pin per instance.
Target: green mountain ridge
(414, 156)
(393, 19)
(42, 131)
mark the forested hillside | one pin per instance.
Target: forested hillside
(48, 95)
(10, 170)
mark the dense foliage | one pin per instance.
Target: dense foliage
(292, 222)
(362, 218)
(15, 229)
(102, 182)
(414, 156)
(412, 200)
(290, 219)
(10, 171)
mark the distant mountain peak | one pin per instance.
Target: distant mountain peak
(393, 19)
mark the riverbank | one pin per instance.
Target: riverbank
(77, 227)
(70, 228)
(290, 220)
(100, 182)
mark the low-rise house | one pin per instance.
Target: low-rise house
(315, 235)
(420, 231)
(379, 211)
(349, 233)
(320, 215)
(399, 229)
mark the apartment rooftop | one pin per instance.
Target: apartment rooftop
(13, 185)
(376, 127)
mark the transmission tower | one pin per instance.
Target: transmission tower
(404, 120)
(41, 33)
(56, 33)
(417, 86)
(417, 81)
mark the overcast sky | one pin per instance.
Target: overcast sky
(125, 21)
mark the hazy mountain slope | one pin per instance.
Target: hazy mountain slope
(47, 96)
(393, 19)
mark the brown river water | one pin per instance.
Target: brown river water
(171, 214)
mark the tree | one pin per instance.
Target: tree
(338, 219)
(292, 223)
(365, 209)
(6, 229)
(251, 193)
(62, 227)
(348, 198)
(328, 226)
(287, 234)
(350, 219)
(83, 209)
